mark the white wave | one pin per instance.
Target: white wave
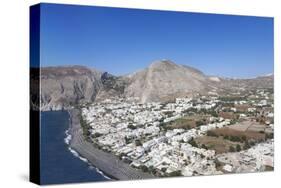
(67, 140)
(100, 172)
(83, 159)
(76, 154)
(68, 137)
(73, 152)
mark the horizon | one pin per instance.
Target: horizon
(122, 41)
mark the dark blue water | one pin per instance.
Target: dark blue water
(58, 164)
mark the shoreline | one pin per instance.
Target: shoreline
(109, 164)
(67, 140)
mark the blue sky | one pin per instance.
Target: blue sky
(121, 41)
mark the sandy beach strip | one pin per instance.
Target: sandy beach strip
(108, 163)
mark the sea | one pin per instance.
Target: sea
(59, 163)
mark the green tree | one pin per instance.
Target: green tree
(246, 145)
(231, 149)
(211, 133)
(175, 173)
(193, 143)
(199, 123)
(217, 163)
(144, 168)
(238, 147)
(138, 142)
(244, 138)
(204, 146)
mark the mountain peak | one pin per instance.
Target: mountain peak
(166, 64)
(162, 62)
(164, 80)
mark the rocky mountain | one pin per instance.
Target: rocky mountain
(164, 80)
(112, 86)
(266, 81)
(64, 87)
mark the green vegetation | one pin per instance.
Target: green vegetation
(204, 146)
(217, 163)
(226, 137)
(144, 168)
(163, 169)
(235, 138)
(200, 122)
(235, 149)
(85, 127)
(138, 142)
(180, 123)
(193, 142)
(121, 156)
(246, 145)
(131, 126)
(213, 113)
(168, 113)
(231, 98)
(186, 122)
(269, 168)
(175, 173)
(238, 147)
(95, 135)
(269, 136)
(231, 149)
(211, 133)
(128, 140)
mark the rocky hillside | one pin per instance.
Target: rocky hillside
(164, 80)
(112, 86)
(63, 87)
(260, 82)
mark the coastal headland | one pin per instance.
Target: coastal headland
(108, 163)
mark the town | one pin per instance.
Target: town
(199, 135)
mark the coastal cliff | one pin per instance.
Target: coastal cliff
(64, 87)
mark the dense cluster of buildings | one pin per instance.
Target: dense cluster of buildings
(136, 133)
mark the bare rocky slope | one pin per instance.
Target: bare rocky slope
(164, 80)
(112, 86)
(251, 83)
(64, 87)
